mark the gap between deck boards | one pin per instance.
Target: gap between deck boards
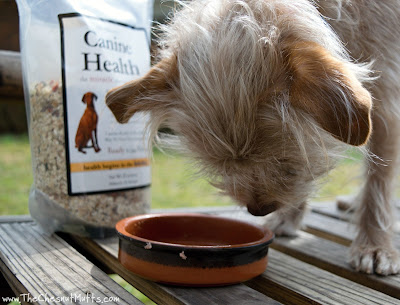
(323, 243)
(334, 264)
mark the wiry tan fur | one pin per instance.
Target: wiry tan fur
(266, 95)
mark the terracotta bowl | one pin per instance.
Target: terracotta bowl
(192, 249)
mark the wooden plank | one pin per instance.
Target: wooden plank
(240, 213)
(9, 27)
(328, 224)
(330, 209)
(287, 280)
(331, 229)
(291, 281)
(15, 218)
(323, 253)
(106, 251)
(10, 74)
(20, 292)
(7, 288)
(334, 229)
(52, 271)
(332, 257)
(238, 294)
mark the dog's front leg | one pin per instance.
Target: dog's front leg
(286, 221)
(372, 250)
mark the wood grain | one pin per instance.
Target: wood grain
(49, 268)
(308, 269)
(289, 281)
(294, 282)
(107, 251)
(326, 255)
(334, 229)
(329, 228)
(332, 257)
(329, 209)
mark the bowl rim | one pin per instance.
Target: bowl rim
(268, 235)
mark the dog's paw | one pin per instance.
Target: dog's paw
(380, 261)
(281, 225)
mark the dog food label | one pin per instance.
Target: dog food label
(98, 55)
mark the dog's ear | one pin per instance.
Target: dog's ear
(126, 100)
(325, 88)
(84, 98)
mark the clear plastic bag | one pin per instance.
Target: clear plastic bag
(89, 170)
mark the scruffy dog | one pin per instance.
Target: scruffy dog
(268, 94)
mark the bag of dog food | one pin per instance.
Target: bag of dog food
(89, 170)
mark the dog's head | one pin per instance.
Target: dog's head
(260, 93)
(88, 98)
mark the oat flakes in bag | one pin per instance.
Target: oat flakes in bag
(89, 170)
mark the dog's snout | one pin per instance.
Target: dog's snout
(264, 209)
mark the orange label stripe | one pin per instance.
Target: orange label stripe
(108, 165)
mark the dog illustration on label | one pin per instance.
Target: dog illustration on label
(87, 129)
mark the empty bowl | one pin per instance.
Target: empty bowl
(192, 249)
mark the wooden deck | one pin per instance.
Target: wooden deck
(308, 269)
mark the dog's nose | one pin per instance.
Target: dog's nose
(262, 210)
